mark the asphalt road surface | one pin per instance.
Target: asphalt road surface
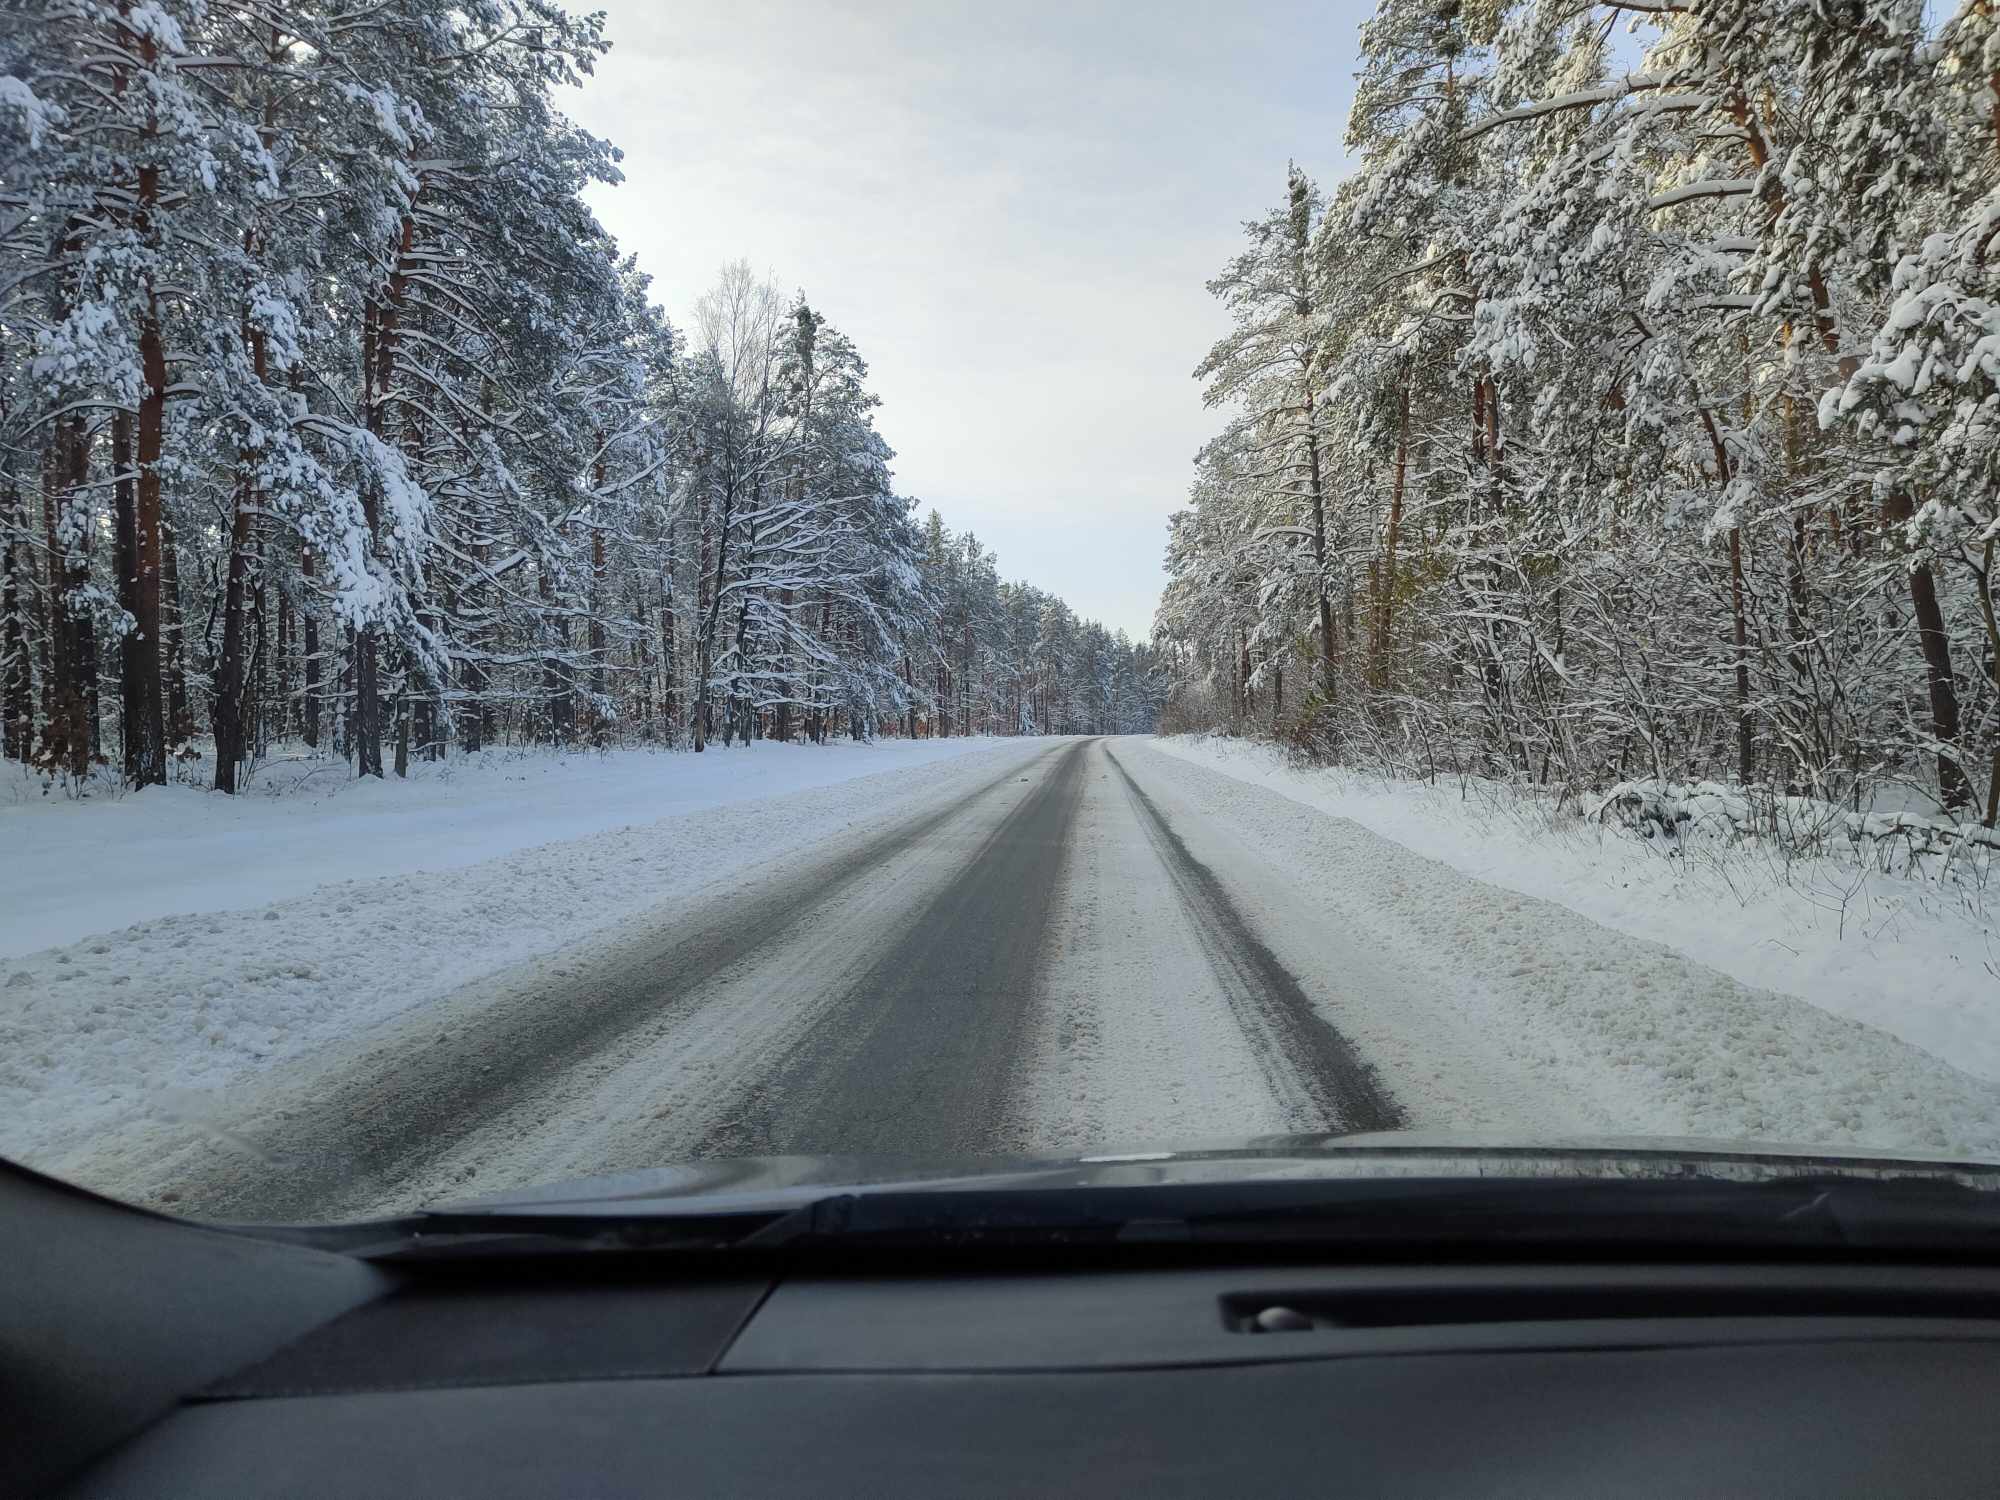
(1041, 964)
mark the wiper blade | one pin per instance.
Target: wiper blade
(1794, 1213)
(1428, 1214)
(465, 1235)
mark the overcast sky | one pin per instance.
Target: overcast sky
(1010, 207)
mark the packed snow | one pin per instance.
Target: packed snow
(200, 939)
(1493, 977)
(1514, 1000)
(96, 865)
(1917, 959)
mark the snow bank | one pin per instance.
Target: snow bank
(1801, 825)
(73, 868)
(1914, 959)
(1488, 1009)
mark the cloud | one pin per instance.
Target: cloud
(1011, 209)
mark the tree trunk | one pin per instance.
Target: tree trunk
(669, 664)
(17, 704)
(599, 683)
(1738, 613)
(367, 720)
(599, 568)
(143, 707)
(173, 636)
(1992, 672)
(125, 569)
(1326, 648)
(555, 693)
(379, 361)
(711, 613)
(1953, 788)
(1797, 592)
(403, 721)
(227, 713)
(284, 697)
(738, 700)
(309, 622)
(340, 716)
(1746, 760)
(642, 653)
(429, 743)
(55, 628)
(781, 723)
(1386, 601)
(257, 668)
(69, 730)
(91, 741)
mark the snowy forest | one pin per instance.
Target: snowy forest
(1631, 409)
(330, 417)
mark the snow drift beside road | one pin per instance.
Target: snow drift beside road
(73, 869)
(1486, 1009)
(1884, 950)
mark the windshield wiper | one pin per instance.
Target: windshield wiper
(1431, 1214)
(462, 1235)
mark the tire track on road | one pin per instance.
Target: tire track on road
(377, 1116)
(919, 1054)
(1308, 1063)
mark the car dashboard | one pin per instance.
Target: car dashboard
(244, 1367)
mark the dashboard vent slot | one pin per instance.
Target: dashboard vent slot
(1278, 1312)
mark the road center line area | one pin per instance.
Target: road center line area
(1072, 945)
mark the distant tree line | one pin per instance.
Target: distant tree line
(331, 417)
(1631, 409)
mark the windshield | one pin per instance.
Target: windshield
(593, 591)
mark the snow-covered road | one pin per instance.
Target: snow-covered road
(936, 981)
(1044, 947)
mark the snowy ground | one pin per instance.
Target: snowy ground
(74, 868)
(157, 948)
(1488, 1007)
(1026, 946)
(1913, 958)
